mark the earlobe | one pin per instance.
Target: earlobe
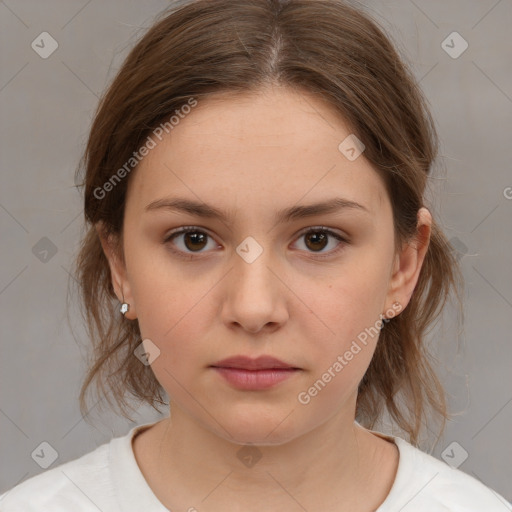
(120, 282)
(408, 263)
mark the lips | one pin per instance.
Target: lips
(248, 374)
(247, 363)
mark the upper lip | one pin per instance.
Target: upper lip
(248, 363)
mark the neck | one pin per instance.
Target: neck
(193, 466)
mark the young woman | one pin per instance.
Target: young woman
(260, 252)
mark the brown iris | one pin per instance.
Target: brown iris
(317, 238)
(197, 240)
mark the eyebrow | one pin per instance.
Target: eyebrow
(288, 214)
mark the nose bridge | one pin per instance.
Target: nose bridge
(254, 293)
(252, 263)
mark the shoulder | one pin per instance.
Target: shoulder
(73, 486)
(424, 483)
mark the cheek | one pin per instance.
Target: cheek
(349, 304)
(168, 311)
(173, 315)
(174, 309)
(340, 346)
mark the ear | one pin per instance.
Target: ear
(120, 282)
(408, 263)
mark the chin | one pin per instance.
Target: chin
(259, 428)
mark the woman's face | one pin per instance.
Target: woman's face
(253, 281)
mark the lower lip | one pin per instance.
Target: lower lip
(255, 379)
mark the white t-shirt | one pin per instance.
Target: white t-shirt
(108, 479)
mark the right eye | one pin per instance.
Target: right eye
(190, 240)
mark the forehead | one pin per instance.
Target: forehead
(271, 148)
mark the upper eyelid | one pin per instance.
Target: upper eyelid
(192, 227)
(336, 231)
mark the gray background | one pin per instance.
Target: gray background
(46, 108)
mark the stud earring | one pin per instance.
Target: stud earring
(385, 319)
(124, 306)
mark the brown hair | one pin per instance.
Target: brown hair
(325, 47)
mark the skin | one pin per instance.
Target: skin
(253, 155)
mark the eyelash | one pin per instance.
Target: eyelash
(314, 229)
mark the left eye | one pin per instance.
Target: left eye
(316, 239)
(194, 240)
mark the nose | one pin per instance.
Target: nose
(255, 297)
